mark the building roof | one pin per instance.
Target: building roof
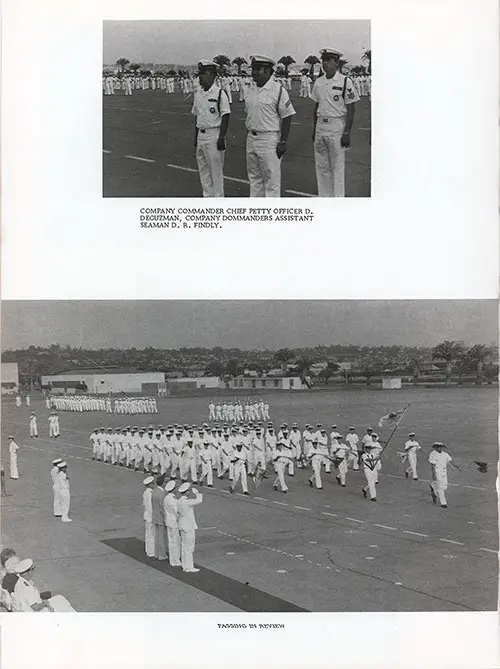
(102, 371)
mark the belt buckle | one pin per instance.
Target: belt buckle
(202, 129)
(254, 132)
(325, 120)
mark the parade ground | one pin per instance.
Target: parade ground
(148, 148)
(309, 550)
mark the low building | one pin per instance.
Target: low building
(10, 378)
(391, 382)
(193, 383)
(264, 383)
(105, 382)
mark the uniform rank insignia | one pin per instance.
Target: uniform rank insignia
(287, 104)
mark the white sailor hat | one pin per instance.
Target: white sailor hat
(352, 427)
(170, 486)
(148, 480)
(11, 437)
(56, 461)
(23, 565)
(62, 464)
(10, 564)
(205, 64)
(328, 52)
(411, 434)
(334, 425)
(374, 434)
(184, 487)
(438, 443)
(262, 60)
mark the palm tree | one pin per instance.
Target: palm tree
(367, 55)
(329, 371)
(222, 61)
(286, 61)
(449, 352)
(121, 62)
(239, 61)
(478, 355)
(135, 67)
(312, 61)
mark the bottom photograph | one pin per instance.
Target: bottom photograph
(258, 456)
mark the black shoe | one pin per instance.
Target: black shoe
(231, 490)
(406, 475)
(247, 493)
(310, 483)
(343, 485)
(291, 474)
(209, 485)
(416, 479)
(338, 479)
(444, 506)
(320, 488)
(364, 492)
(275, 487)
(221, 477)
(284, 491)
(373, 499)
(376, 482)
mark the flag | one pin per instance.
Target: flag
(393, 417)
(402, 456)
(481, 466)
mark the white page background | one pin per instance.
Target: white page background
(429, 231)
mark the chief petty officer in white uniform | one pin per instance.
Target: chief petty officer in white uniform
(212, 111)
(334, 95)
(268, 118)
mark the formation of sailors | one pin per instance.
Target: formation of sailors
(125, 405)
(236, 412)
(247, 450)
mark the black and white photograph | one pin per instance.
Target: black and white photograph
(249, 456)
(227, 108)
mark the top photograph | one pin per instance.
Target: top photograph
(236, 108)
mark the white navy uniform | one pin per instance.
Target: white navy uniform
(265, 106)
(209, 107)
(411, 448)
(332, 95)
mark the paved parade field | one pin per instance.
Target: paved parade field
(311, 550)
(148, 148)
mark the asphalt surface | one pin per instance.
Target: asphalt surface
(148, 148)
(328, 550)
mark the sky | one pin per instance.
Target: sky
(186, 42)
(246, 324)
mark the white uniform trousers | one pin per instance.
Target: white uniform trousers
(439, 487)
(206, 471)
(14, 472)
(175, 460)
(370, 476)
(33, 430)
(188, 538)
(328, 465)
(188, 467)
(210, 163)
(147, 460)
(259, 460)
(263, 165)
(354, 460)
(329, 157)
(280, 466)
(240, 472)
(64, 497)
(342, 471)
(174, 546)
(149, 538)
(155, 459)
(412, 461)
(52, 430)
(316, 467)
(57, 501)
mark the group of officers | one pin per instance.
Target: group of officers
(269, 112)
(253, 449)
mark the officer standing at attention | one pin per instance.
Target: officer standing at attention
(268, 118)
(212, 111)
(334, 95)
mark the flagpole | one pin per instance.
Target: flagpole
(394, 429)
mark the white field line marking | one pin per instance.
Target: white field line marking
(386, 527)
(355, 520)
(105, 151)
(450, 541)
(488, 549)
(281, 503)
(144, 160)
(418, 534)
(486, 531)
(262, 499)
(302, 508)
(327, 513)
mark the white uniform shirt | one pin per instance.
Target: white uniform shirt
(411, 444)
(187, 521)
(352, 439)
(13, 448)
(266, 106)
(62, 481)
(147, 502)
(440, 462)
(209, 107)
(171, 507)
(328, 93)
